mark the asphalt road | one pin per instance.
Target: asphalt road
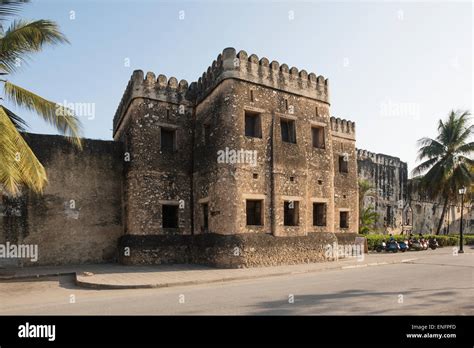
(440, 284)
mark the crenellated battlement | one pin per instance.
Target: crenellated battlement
(158, 88)
(342, 128)
(228, 65)
(380, 158)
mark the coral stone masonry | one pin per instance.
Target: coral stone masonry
(244, 167)
(248, 148)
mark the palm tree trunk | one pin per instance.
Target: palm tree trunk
(441, 220)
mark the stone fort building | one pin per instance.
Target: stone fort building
(245, 167)
(287, 168)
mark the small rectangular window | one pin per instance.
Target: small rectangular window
(254, 212)
(319, 214)
(344, 219)
(206, 129)
(253, 126)
(205, 217)
(318, 137)
(291, 213)
(168, 139)
(343, 164)
(169, 215)
(288, 131)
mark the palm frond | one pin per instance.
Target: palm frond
(20, 124)
(423, 167)
(56, 115)
(10, 8)
(466, 149)
(25, 37)
(18, 164)
(430, 148)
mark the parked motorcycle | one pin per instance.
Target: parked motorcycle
(433, 243)
(381, 247)
(403, 246)
(414, 244)
(424, 244)
(390, 246)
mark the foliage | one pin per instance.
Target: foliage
(446, 165)
(18, 164)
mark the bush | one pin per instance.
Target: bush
(451, 240)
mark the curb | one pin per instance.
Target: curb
(222, 280)
(99, 286)
(36, 276)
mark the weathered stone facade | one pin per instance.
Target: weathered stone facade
(388, 176)
(291, 170)
(247, 157)
(401, 209)
(238, 250)
(78, 219)
(427, 213)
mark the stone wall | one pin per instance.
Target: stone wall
(427, 213)
(388, 176)
(78, 219)
(232, 251)
(208, 118)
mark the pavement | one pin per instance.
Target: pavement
(115, 276)
(418, 283)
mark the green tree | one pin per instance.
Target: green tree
(367, 216)
(446, 165)
(22, 38)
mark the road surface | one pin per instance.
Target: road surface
(440, 284)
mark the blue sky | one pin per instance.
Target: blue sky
(394, 68)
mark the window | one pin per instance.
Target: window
(288, 131)
(168, 140)
(205, 215)
(253, 125)
(169, 215)
(344, 219)
(343, 164)
(291, 216)
(206, 129)
(318, 137)
(319, 214)
(254, 212)
(389, 215)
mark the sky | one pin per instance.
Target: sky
(395, 68)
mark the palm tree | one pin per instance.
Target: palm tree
(447, 162)
(367, 216)
(18, 164)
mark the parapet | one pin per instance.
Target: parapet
(228, 65)
(261, 71)
(342, 128)
(160, 88)
(380, 158)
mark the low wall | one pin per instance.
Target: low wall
(232, 251)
